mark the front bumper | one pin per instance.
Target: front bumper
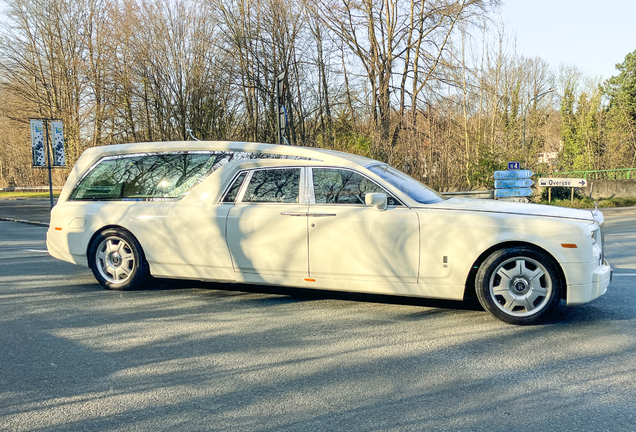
(584, 293)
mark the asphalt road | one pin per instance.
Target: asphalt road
(188, 356)
(32, 210)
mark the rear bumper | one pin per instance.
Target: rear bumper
(58, 247)
(584, 293)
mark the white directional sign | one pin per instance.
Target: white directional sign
(562, 182)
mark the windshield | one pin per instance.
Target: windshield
(406, 184)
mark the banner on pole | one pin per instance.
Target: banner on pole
(57, 141)
(37, 143)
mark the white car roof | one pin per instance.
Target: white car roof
(93, 154)
(323, 155)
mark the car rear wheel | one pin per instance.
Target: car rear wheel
(117, 260)
(518, 285)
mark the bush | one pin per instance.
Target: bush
(560, 193)
(482, 171)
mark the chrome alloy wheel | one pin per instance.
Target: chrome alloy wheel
(115, 260)
(521, 287)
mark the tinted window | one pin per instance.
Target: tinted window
(335, 186)
(276, 185)
(406, 184)
(233, 191)
(157, 176)
(146, 177)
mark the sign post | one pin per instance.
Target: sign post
(40, 142)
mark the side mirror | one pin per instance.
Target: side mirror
(378, 200)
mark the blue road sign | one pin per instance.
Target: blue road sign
(514, 165)
(507, 184)
(516, 174)
(519, 192)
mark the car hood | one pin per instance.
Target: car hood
(497, 206)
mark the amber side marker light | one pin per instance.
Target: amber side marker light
(310, 280)
(568, 245)
(58, 228)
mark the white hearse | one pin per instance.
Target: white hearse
(313, 218)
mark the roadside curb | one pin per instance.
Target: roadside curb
(44, 224)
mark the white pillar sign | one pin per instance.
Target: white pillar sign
(37, 143)
(57, 140)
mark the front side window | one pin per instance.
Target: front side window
(273, 186)
(411, 187)
(336, 186)
(145, 177)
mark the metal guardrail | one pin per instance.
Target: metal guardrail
(485, 194)
(610, 174)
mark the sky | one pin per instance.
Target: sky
(591, 34)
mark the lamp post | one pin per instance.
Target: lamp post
(525, 113)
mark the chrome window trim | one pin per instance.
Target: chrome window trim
(241, 192)
(309, 191)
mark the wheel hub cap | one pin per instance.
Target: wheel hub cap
(520, 286)
(115, 259)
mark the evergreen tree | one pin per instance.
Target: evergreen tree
(622, 88)
(621, 114)
(571, 149)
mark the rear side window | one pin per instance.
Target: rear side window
(273, 186)
(146, 177)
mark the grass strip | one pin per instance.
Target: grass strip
(13, 195)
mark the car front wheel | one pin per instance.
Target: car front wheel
(117, 260)
(518, 285)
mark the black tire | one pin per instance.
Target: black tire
(518, 285)
(117, 260)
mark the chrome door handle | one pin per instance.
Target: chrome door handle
(293, 214)
(321, 214)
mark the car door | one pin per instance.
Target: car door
(349, 240)
(266, 228)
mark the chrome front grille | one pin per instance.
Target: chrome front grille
(602, 245)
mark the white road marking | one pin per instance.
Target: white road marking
(36, 250)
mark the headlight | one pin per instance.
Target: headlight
(595, 234)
